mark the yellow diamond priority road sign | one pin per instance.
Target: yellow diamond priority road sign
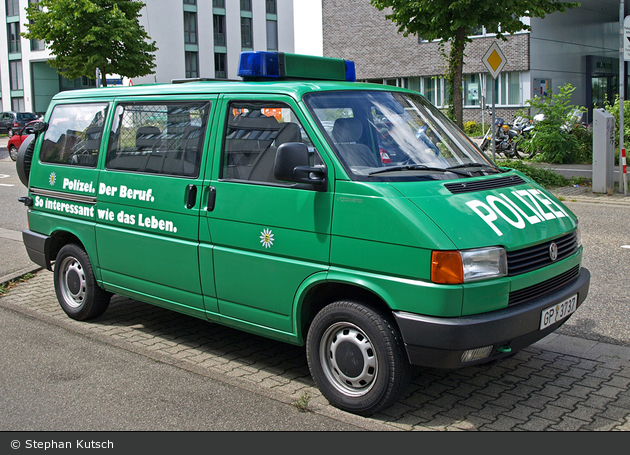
(494, 60)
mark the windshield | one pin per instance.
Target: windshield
(385, 136)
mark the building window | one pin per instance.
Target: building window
(15, 73)
(218, 3)
(37, 45)
(192, 64)
(17, 104)
(472, 90)
(219, 30)
(14, 37)
(508, 89)
(271, 7)
(433, 90)
(190, 2)
(272, 35)
(246, 5)
(190, 28)
(220, 66)
(246, 33)
(13, 7)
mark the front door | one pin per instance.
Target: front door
(267, 236)
(149, 202)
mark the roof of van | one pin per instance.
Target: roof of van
(293, 88)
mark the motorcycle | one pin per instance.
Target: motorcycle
(503, 139)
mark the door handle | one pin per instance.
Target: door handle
(212, 197)
(191, 196)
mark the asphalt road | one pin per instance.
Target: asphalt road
(605, 316)
(63, 381)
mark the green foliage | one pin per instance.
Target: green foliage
(84, 35)
(450, 20)
(613, 108)
(553, 139)
(473, 129)
(544, 177)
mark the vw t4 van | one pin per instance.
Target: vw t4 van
(297, 204)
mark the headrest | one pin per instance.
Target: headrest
(147, 136)
(347, 130)
(290, 132)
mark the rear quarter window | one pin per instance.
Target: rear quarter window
(74, 134)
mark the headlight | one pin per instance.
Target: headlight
(456, 267)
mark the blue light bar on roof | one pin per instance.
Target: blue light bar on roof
(260, 65)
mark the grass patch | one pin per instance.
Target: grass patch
(4, 287)
(302, 403)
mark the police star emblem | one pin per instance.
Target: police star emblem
(52, 179)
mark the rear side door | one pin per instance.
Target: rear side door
(267, 236)
(149, 201)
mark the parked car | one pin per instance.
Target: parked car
(11, 121)
(18, 137)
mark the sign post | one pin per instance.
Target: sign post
(494, 60)
(625, 51)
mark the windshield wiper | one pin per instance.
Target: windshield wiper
(417, 167)
(460, 166)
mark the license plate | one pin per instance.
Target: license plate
(558, 312)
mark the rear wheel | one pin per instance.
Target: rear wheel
(78, 293)
(357, 358)
(13, 152)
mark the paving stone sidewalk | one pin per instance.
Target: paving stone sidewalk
(559, 384)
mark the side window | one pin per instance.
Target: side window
(254, 132)
(158, 138)
(74, 134)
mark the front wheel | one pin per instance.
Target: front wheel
(357, 358)
(10, 132)
(77, 291)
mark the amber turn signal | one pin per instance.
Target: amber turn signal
(446, 267)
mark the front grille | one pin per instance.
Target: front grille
(543, 288)
(486, 184)
(537, 256)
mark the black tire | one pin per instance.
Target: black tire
(24, 159)
(13, 152)
(357, 358)
(77, 291)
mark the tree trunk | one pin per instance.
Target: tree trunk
(456, 68)
(103, 77)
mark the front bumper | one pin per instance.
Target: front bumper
(440, 342)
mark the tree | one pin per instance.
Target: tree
(450, 21)
(86, 35)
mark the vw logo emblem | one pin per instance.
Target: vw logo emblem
(553, 251)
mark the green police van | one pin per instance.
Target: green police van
(354, 219)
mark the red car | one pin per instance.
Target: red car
(18, 137)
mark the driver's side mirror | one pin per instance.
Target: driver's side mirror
(39, 127)
(292, 166)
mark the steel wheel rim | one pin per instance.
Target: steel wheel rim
(73, 283)
(13, 152)
(348, 359)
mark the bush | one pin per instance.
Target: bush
(553, 140)
(614, 110)
(544, 177)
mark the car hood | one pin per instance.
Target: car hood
(477, 213)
